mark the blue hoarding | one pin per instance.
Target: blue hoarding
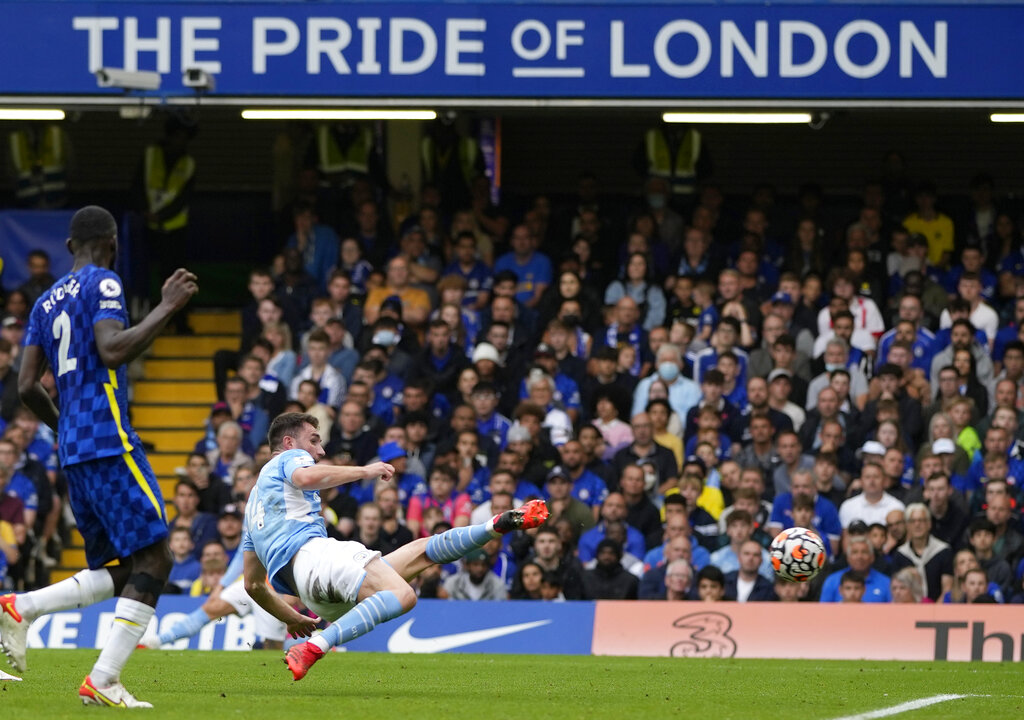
(433, 626)
(510, 50)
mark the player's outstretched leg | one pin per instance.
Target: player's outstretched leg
(452, 544)
(18, 611)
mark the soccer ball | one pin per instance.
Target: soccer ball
(797, 554)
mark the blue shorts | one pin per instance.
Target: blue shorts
(118, 506)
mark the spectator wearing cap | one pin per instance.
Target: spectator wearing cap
(415, 302)
(475, 581)
(229, 529)
(566, 393)
(12, 329)
(613, 510)
(780, 387)
(712, 386)
(873, 504)
(608, 579)
(558, 491)
(797, 319)
(408, 485)
(683, 393)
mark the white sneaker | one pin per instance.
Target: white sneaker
(13, 631)
(113, 696)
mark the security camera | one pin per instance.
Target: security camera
(128, 79)
(200, 80)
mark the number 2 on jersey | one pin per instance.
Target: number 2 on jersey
(62, 332)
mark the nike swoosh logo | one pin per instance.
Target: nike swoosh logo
(402, 641)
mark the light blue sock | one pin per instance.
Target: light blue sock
(186, 627)
(452, 544)
(364, 617)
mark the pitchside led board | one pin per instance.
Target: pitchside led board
(651, 629)
(505, 49)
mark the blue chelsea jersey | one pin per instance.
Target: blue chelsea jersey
(93, 399)
(279, 517)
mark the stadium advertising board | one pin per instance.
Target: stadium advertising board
(653, 629)
(517, 50)
(810, 631)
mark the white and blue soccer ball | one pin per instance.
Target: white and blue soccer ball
(798, 554)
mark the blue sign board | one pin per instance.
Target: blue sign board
(513, 50)
(433, 626)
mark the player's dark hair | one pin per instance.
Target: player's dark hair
(287, 424)
(90, 224)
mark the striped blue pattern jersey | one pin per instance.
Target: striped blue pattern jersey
(93, 399)
(279, 517)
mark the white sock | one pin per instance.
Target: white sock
(131, 618)
(79, 590)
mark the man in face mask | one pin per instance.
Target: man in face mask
(683, 393)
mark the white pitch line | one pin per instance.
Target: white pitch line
(904, 707)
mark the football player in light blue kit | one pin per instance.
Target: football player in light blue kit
(343, 582)
(80, 328)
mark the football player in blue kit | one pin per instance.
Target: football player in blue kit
(80, 329)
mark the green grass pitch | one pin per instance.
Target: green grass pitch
(256, 685)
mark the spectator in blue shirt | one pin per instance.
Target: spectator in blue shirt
(318, 244)
(531, 267)
(859, 555)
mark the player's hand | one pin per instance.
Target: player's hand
(302, 626)
(381, 470)
(179, 288)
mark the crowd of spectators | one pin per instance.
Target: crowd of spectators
(680, 378)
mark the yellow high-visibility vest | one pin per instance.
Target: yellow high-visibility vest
(335, 160)
(468, 156)
(40, 167)
(163, 187)
(680, 171)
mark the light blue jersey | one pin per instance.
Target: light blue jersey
(281, 518)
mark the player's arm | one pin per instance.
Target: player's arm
(321, 477)
(257, 588)
(118, 346)
(32, 392)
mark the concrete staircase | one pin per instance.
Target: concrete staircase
(170, 405)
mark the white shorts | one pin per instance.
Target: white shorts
(328, 574)
(268, 627)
